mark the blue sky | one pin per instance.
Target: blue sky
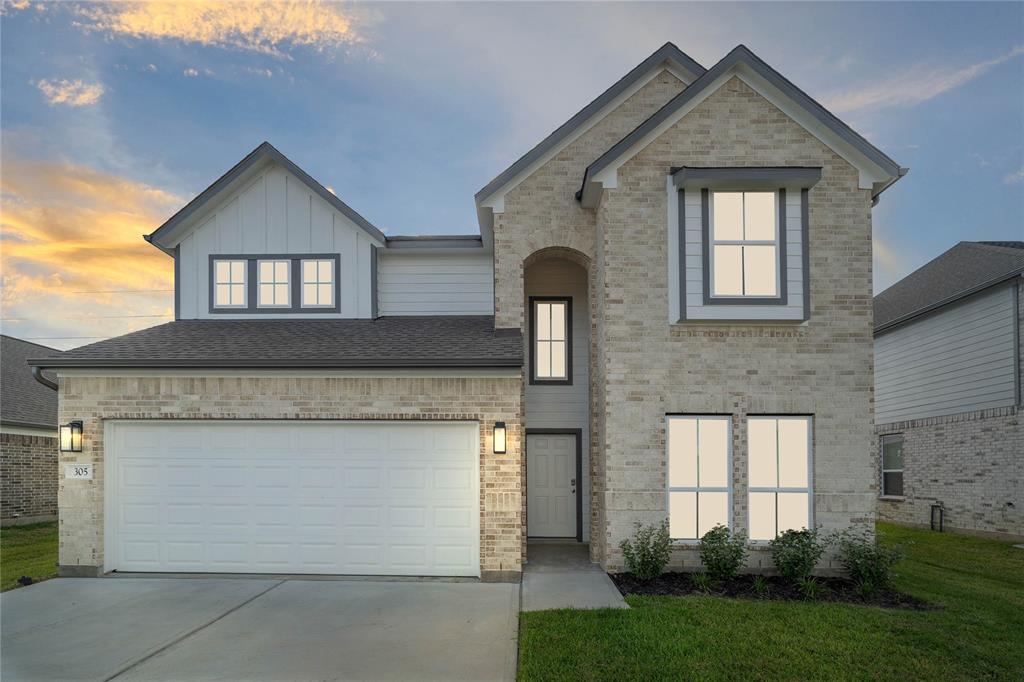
(406, 110)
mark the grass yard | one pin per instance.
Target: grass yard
(27, 550)
(979, 634)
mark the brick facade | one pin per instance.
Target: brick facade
(28, 478)
(483, 399)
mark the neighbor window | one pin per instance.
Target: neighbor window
(744, 246)
(698, 474)
(892, 465)
(552, 355)
(229, 284)
(779, 454)
(274, 290)
(317, 283)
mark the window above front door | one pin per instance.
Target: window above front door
(550, 340)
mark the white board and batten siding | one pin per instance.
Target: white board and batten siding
(424, 283)
(275, 213)
(961, 358)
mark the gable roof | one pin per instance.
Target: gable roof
(24, 401)
(742, 56)
(967, 268)
(161, 237)
(667, 53)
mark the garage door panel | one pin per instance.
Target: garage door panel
(311, 497)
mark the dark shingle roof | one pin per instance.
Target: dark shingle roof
(436, 341)
(964, 269)
(23, 400)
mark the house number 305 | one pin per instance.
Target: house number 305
(80, 471)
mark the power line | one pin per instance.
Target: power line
(61, 338)
(86, 317)
(120, 291)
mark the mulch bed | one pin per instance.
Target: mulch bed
(832, 590)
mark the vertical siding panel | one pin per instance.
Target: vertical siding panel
(298, 216)
(206, 244)
(187, 285)
(229, 228)
(277, 241)
(254, 217)
(322, 227)
(362, 290)
(345, 241)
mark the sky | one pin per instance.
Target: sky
(113, 116)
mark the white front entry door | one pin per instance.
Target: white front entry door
(372, 498)
(551, 485)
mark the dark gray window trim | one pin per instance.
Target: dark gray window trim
(567, 381)
(579, 471)
(805, 248)
(177, 282)
(771, 177)
(881, 464)
(403, 243)
(295, 274)
(710, 300)
(373, 282)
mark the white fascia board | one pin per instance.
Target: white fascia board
(467, 372)
(28, 431)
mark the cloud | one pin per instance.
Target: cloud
(70, 93)
(1014, 178)
(264, 26)
(913, 86)
(69, 228)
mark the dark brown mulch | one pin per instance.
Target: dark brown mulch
(831, 590)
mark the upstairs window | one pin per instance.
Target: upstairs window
(550, 327)
(229, 288)
(699, 474)
(892, 465)
(274, 288)
(317, 283)
(744, 245)
(779, 452)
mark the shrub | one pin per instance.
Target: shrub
(810, 587)
(701, 581)
(647, 554)
(868, 563)
(722, 553)
(760, 585)
(796, 553)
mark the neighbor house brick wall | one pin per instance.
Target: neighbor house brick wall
(28, 477)
(482, 399)
(651, 368)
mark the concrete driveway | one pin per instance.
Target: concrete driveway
(258, 629)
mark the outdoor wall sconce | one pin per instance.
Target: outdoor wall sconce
(499, 438)
(71, 437)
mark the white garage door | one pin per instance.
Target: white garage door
(371, 498)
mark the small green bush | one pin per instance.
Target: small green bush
(760, 585)
(810, 587)
(722, 552)
(868, 564)
(796, 553)
(701, 581)
(647, 554)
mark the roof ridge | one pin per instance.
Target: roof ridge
(31, 343)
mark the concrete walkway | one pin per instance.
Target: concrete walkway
(560, 576)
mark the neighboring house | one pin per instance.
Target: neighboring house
(948, 391)
(28, 436)
(667, 313)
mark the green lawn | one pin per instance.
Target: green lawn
(979, 634)
(27, 550)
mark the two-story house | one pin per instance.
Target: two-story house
(666, 314)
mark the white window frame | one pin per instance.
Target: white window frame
(712, 243)
(274, 283)
(698, 489)
(779, 489)
(302, 282)
(884, 471)
(231, 283)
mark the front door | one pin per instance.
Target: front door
(551, 485)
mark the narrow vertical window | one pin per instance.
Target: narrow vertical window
(699, 474)
(744, 244)
(274, 288)
(779, 460)
(892, 465)
(317, 283)
(229, 284)
(552, 351)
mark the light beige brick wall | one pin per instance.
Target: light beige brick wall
(483, 399)
(823, 367)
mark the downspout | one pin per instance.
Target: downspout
(37, 372)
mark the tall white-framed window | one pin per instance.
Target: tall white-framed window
(551, 340)
(744, 244)
(779, 476)
(317, 283)
(892, 465)
(699, 462)
(229, 284)
(274, 287)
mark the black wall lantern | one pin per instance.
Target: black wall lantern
(499, 438)
(71, 437)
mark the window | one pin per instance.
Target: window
(229, 284)
(892, 465)
(274, 291)
(779, 451)
(317, 283)
(699, 474)
(552, 353)
(744, 245)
